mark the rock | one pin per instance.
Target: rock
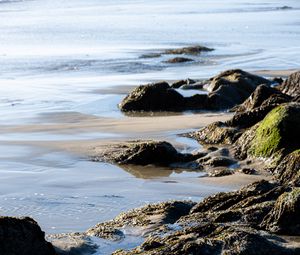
(73, 244)
(245, 196)
(220, 240)
(276, 135)
(142, 153)
(244, 82)
(219, 161)
(216, 133)
(250, 171)
(277, 80)
(151, 55)
(253, 111)
(180, 83)
(153, 97)
(149, 217)
(192, 50)
(285, 7)
(232, 87)
(197, 85)
(284, 218)
(23, 236)
(288, 171)
(291, 86)
(257, 98)
(178, 60)
(227, 90)
(219, 172)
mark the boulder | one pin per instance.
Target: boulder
(23, 236)
(276, 135)
(284, 217)
(232, 87)
(153, 97)
(143, 152)
(140, 153)
(244, 82)
(259, 96)
(291, 86)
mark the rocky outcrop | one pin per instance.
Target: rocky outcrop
(291, 86)
(225, 91)
(229, 223)
(22, 236)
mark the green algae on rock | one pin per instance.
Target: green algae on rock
(278, 132)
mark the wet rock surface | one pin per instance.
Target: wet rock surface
(23, 236)
(153, 97)
(291, 86)
(143, 153)
(216, 133)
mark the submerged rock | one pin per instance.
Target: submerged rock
(191, 50)
(178, 60)
(23, 236)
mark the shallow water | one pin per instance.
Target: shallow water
(57, 56)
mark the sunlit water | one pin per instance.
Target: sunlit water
(54, 54)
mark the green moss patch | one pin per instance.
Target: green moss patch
(278, 132)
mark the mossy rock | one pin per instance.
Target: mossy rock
(278, 133)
